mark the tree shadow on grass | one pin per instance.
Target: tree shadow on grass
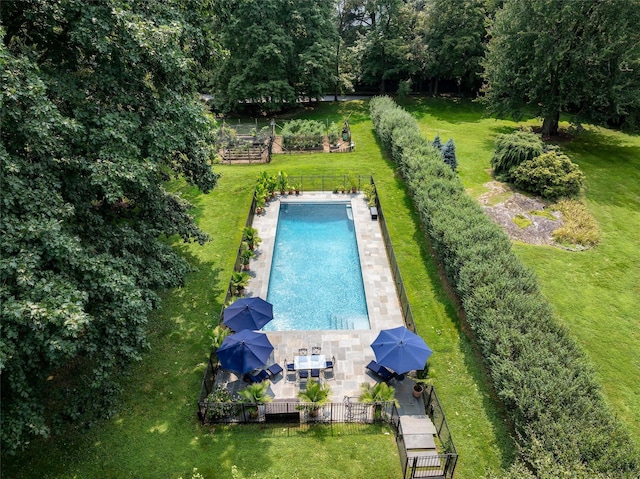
(152, 391)
(192, 194)
(611, 166)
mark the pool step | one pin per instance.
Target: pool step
(341, 323)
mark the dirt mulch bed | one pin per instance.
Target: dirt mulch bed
(539, 232)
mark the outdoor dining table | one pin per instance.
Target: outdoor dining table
(315, 361)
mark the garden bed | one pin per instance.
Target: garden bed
(539, 229)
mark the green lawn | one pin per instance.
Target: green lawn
(156, 434)
(595, 293)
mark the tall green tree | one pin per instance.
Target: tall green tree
(454, 35)
(275, 52)
(566, 56)
(382, 40)
(99, 109)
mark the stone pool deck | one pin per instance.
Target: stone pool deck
(351, 348)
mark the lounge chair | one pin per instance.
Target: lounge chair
(258, 377)
(274, 370)
(329, 364)
(291, 371)
(328, 367)
(380, 371)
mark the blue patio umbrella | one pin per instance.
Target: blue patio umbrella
(244, 351)
(401, 350)
(248, 313)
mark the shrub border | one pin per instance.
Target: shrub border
(539, 372)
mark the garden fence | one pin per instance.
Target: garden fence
(395, 269)
(295, 412)
(350, 413)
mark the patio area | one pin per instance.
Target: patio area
(351, 348)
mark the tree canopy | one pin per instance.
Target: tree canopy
(99, 109)
(566, 56)
(274, 52)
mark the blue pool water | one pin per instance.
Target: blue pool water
(316, 280)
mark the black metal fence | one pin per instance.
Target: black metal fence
(428, 463)
(395, 269)
(295, 412)
(435, 465)
(434, 411)
(352, 414)
(334, 183)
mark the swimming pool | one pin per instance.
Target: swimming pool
(316, 279)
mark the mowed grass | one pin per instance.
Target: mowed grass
(156, 435)
(595, 293)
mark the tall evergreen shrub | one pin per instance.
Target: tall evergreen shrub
(512, 149)
(449, 154)
(540, 374)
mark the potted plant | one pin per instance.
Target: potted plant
(378, 394)
(420, 385)
(418, 389)
(297, 188)
(422, 380)
(255, 395)
(370, 194)
(217, 336)
(314, 396)
(353, 182)
(260, 201)
(250, 236)
(246, 255)
(220, 404)
(268, 183)
(282, 181)
(239, 281)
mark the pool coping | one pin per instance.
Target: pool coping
(351, 348)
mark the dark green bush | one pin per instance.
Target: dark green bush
(335, 133)
(512, 149)
(551, 175)
(302, 134)
(538, 371)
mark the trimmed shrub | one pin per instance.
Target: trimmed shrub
(538, 371)
(334, 133)
(512, 149)
(551, 175)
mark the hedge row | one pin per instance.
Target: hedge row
(539, 373)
